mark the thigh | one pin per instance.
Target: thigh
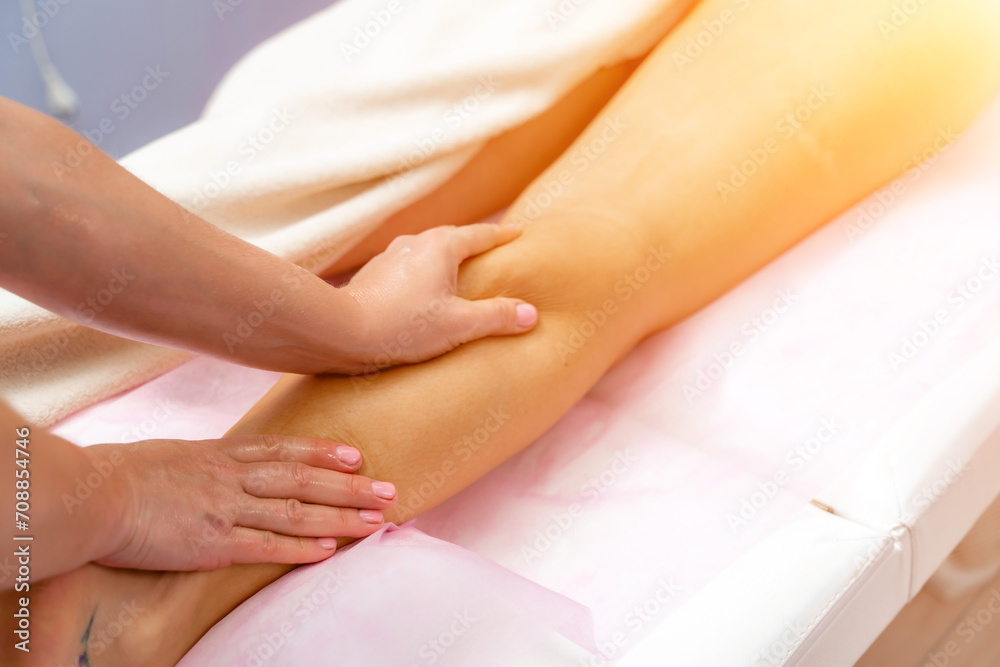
(499, 172)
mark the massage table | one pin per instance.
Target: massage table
(766, 483)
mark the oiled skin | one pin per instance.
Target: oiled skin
(680, 128)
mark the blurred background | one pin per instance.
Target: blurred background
(103, 47)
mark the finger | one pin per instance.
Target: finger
(290, 517)
(318, 486)
(470, 240)
(491, 317)
(246, 545)
(310, 451)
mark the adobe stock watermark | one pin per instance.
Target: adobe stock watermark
(247, 325)
(142, 430)
(712, 29)
(98, 641)
(87, 310)
(223, 7)
(921, 501)
(563, 12)
(928, 329)
(901, 14)
(775, 654)
(635, 620)
(751, 331)
(57, 342)
(121, 108)
(102, 639)
(913, 169)
(309, 603)
(90, 307)
(582, 158)
(968, 629)
(248, 150)
(218, 525)
(365, 34)
(32, 25)
(787, 127)
(931, 493)
(625, 289)
(392, 350)
(562, 522)
(8, 569)
(434, 648)
(262, 310)
(87, 485)
(795, 460)
(462, 451)
(451, 119)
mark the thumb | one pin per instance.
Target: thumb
(493, 317)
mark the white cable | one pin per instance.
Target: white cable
(61, 99)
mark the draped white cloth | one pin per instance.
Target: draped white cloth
(323, 132)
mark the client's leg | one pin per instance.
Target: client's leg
(642, 181)
(499, 172)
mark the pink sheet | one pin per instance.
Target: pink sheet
(680, 459)
(489, 615)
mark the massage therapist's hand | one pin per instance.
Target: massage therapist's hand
(95, 244)
(407, 293)
(249, 499)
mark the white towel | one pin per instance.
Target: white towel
(323, 132)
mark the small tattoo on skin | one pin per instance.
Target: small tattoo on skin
(84, 660)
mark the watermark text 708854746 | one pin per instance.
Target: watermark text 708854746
(22, 541)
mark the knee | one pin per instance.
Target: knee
(565, 265)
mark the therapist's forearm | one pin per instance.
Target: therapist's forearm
(39, 471)
(99, 246)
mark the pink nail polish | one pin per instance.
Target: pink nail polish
(371, 516)
(348, 455)
(526, 314)
(327, 543)
(384, 490)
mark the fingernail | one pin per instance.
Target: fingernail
(384, 490)
(327, 542)
(348, 455)
(371, 516)
(527, 315)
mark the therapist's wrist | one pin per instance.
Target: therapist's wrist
(304, 325)
(101, 521)
(75, 505)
